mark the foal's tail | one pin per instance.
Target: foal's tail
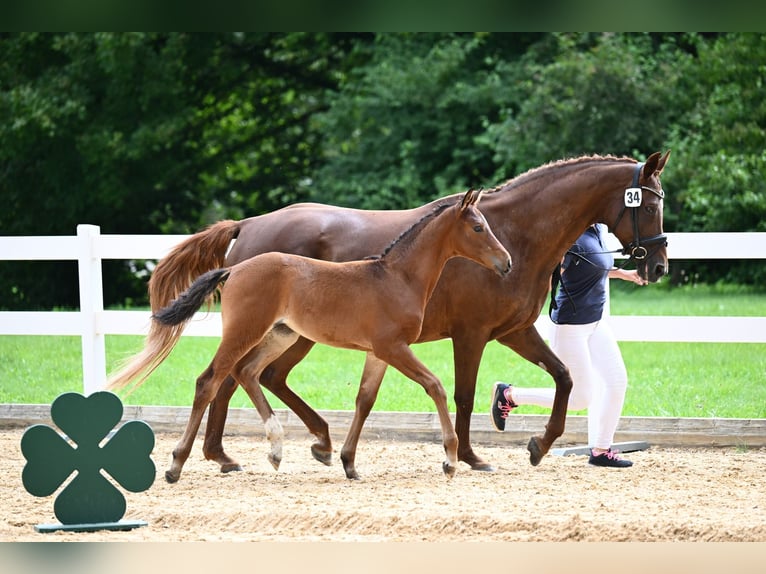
(167, 325)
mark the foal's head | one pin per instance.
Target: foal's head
(473, 238)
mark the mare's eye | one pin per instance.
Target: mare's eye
(478, 228)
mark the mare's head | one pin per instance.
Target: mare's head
(473, 238)
(639, 223)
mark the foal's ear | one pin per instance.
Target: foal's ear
(471, 197)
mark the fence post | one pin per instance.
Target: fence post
(91, 303)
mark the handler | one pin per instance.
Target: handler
(586, 344)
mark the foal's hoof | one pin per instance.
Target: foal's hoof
(448, 469)
(322, 456)
(536, 453)
(171, 478)
(274, 460)
(231, 467)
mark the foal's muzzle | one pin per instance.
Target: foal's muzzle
(503, 267)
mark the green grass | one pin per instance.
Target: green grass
(665, 379)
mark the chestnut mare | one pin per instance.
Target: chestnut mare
(376, 305)
(536, 215)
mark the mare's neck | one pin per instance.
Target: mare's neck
(540, 215)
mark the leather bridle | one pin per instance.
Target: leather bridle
(637, 249)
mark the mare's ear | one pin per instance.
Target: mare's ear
(663, 161)
(655, 164)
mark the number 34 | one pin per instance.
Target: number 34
(633, 197)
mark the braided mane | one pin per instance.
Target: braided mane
(557, 164)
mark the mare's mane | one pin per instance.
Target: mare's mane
(545, 169)
(527, 176)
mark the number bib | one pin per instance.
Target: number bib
(633, 197)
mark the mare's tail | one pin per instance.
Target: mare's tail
(203, 251)
(167, 325)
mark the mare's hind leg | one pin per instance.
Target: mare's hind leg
(212, 448)
(530, 345)
(401, 357)
(374, 369)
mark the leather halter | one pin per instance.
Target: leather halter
(637, 249)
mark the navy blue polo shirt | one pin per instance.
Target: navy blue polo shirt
(582, 292)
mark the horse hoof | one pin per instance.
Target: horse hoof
(274, 460)
(351, 474)
(483, 467)
(322, 456)
(231, 467)
(448, 469)
(535, 452)
(170, 477)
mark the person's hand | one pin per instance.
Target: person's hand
(632, 275)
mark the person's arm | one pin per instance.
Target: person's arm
(627, 275)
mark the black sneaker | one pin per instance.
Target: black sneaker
(501, 407)
(609, 458)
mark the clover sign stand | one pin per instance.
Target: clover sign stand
(90, 501)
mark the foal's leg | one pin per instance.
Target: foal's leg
(207, 386)
(372, 376)
(274, 378)
(530, 345)
(401, 357)
(247, 373)
(234, 345)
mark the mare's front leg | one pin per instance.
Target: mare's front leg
(529, 344)
(401, 357)
(468, 349)
(372, 376)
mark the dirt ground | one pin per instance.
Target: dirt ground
(715, 494)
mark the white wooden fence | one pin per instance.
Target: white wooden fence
(92, 322)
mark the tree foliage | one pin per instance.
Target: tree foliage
(168, 132)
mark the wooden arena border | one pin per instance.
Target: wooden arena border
(659, 431)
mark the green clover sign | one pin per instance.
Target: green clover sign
(90, 498)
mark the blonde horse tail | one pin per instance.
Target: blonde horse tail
(191, 258)
(167, 326)
(202, 252)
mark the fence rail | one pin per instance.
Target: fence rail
(92, 322)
